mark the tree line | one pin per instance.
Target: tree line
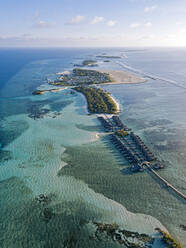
(98, 100)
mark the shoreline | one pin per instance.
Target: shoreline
(123, 77)
(101, 167)
(117, 104)
(42, 92)
(106, 76)
(98, 100)
(85, 106)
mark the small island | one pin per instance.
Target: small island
(87, 62)
(168, 240)
(108, 57)
(38, 92)
(98, 100)
(41, 92)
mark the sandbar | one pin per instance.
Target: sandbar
(123, 77)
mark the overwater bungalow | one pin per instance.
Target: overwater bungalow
(116, 120)
(136, 168)
(106, 124)
(157, 166)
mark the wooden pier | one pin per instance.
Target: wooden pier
(128, 152)
(144, 149)
(106, 124)
(119, 123)
(180, 194)
(132, 147)
(134, 150)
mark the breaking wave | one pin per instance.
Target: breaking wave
(149, 75)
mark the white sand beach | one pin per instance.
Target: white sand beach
(117, 104)
(123, 77)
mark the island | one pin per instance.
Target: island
(108, 57)
(87, 62)
(98, 100)
(168, 240)
(82, 77)
(41, 92)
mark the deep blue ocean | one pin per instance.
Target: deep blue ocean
(36, 130)
(12, 60)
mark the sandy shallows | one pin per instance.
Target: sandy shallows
(123, 77)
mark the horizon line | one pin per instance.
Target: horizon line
(90, 47)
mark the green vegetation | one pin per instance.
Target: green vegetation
(98, 100)
(168, 239)
(82, 77)
(41, 92)
(121, 133)
(123, 237)
(60, 83)
(89, 62)
(93, 75)
(37, 92)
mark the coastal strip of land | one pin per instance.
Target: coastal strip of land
(99, 101)
(85, 80)
(80, 76)
(41, 92)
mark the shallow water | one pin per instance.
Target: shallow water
(40, 146)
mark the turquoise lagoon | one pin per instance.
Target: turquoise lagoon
(66, 156)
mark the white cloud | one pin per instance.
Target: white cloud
(111, 23)
(76, 20)
(150, 8)
(148, 24)
(135, 25)
(97, 19)
(116, 39)
(43, 24)
(138, 24)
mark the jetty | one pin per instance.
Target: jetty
(119, 123)
(128, 143)
(180, 194)
(106, 124)
(142, 147)
(133, 149)
(126, 150)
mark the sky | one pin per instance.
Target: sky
(92, 23)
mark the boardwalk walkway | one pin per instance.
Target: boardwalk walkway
(133, 149)
(167, 183)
